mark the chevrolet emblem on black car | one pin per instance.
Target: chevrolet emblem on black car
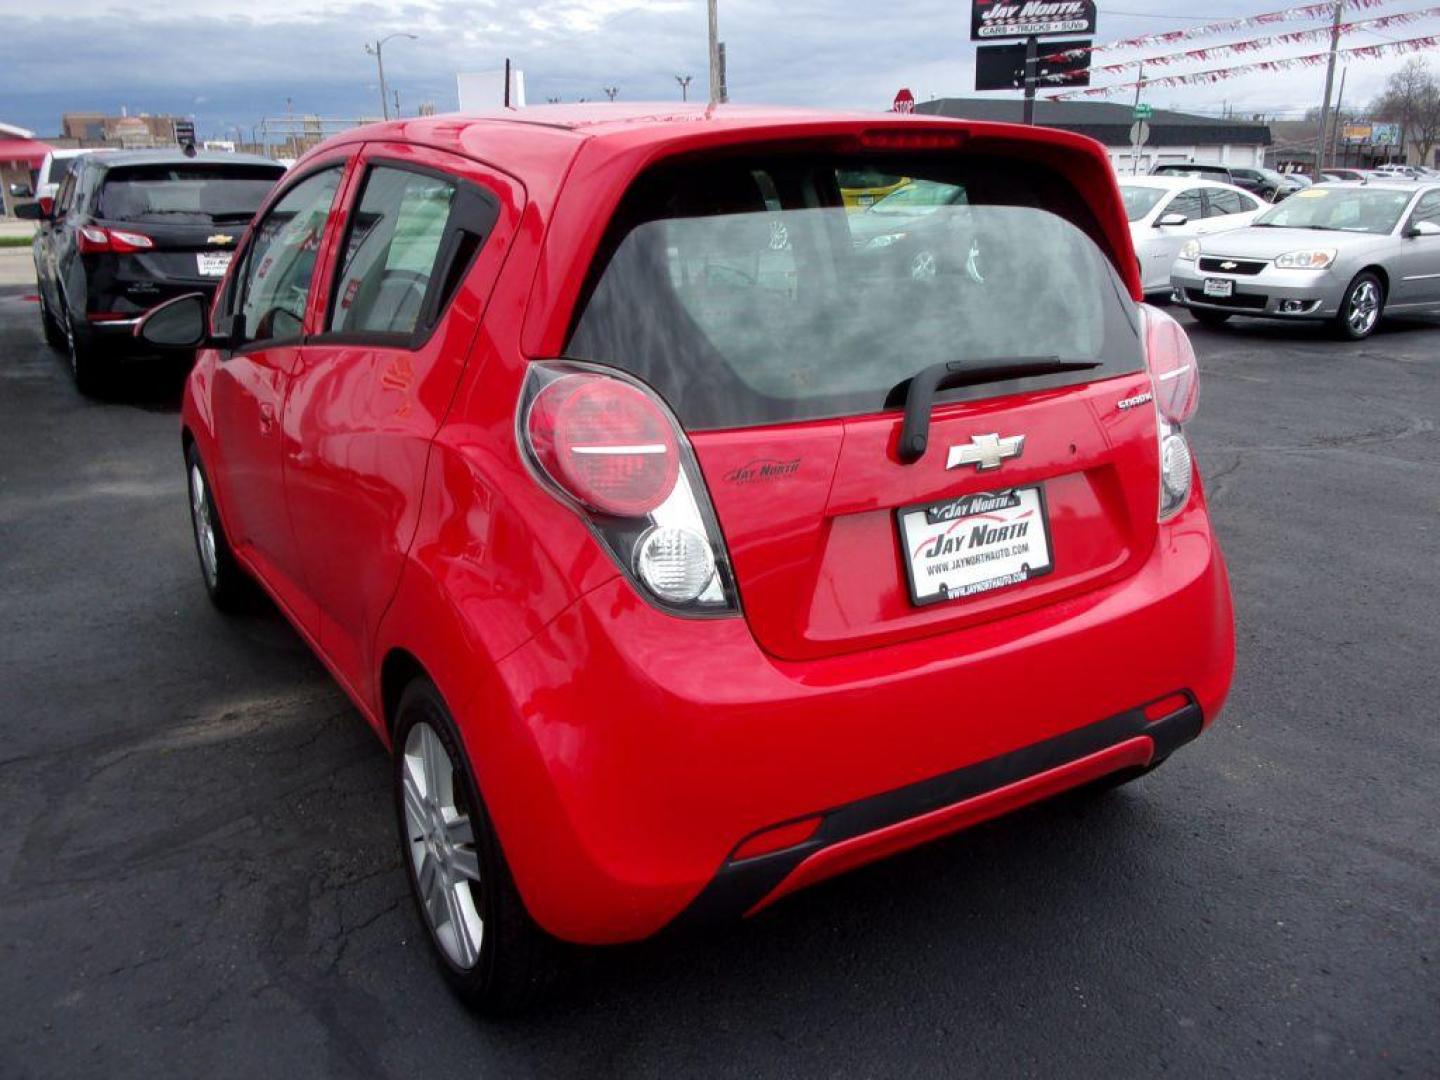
(985, 451)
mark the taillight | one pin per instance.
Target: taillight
(605, 442)
(1175, 381)
(1173, 368)
(611, 450)
(93, 239)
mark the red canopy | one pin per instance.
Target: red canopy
(30, 151)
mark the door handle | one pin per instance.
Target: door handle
(267, 416)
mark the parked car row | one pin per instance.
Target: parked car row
(1266, 184)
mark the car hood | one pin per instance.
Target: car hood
(1266, 243)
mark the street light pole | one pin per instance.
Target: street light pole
(714, 52)
(684, 81)
(377, 50)
(611, 91)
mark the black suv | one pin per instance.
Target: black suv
(129, 230)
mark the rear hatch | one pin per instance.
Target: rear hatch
(188, 217)
(784, 333)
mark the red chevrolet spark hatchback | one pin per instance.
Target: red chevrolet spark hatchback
(689, 538)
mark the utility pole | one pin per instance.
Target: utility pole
(611, 91)
(1329, 83)
(376, 50)
(714, 52)
(1339, 118)
(684, 81)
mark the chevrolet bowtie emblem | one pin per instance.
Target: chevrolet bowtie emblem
(985, 451)
(1228, 265)
(220, 238)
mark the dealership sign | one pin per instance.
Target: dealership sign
(992, 20)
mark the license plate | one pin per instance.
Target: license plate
(213, 263)
(865, 200)
(975, 543)
(1215, 286)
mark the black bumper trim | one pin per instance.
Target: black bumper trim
(741, 884)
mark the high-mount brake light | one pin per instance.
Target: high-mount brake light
(613, 452)
(879, 139)
(1175, 379)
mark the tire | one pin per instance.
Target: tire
(1206, 317)
(85, 364)
(1361, 307)
(50, 326)
(228, 586)
(442, 823)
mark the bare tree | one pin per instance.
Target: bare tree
(1409, 95)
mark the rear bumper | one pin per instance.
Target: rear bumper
(625, 754)
(882, 825)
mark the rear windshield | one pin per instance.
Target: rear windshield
(1199, 171)
(746, 293)
(206, 194)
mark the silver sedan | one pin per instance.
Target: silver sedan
(1346, 253)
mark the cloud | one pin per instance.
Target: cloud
(231, 62)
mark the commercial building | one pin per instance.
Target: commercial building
(20, 155)
(1172, 136)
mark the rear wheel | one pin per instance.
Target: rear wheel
(85, 366)
(1361, 307)
(1210, 318)
(493, 955)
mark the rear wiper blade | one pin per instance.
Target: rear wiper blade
(923, 385)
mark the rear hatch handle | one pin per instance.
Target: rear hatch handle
(920, 389)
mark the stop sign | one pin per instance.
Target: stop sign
(904, 101)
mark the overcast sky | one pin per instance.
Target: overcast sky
(230, 62)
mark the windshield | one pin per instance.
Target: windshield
(200, 193)
(745, 294)
(1200, 172)
(1139, 201)
(1348, 209)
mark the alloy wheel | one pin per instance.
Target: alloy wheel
(1364, 308)
(441, 845)
(204, 526)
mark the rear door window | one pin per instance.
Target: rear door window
(200, 193)
(396, 236)
(745, 294)
(1190, 203)
(1221, 203)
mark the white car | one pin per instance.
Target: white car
(54, 169)
(1166, 211)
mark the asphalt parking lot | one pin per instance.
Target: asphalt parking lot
(198, 875)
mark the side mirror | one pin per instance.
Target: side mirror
(31, 211)
(1167, 220)
(176, 324)
(1423, 228)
